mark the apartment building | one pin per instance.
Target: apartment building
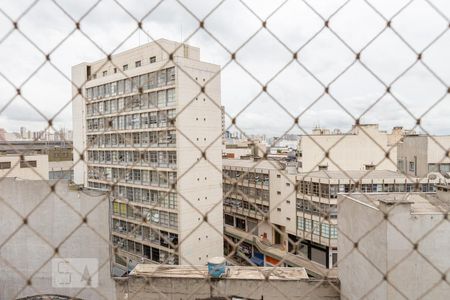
(280, 213)
(364, 147)
(403, 256)
(419, 155)
(142, 122)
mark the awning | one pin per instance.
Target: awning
(257, 261)
(118, 272)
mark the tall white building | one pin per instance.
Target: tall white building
(142, 125)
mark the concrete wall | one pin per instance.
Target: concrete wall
(64, 165)
(40, 172)
(414, 149)
(189, 288)
(413, 274)
(423, 150)
(55, 223)
(385, 248)
(350, 151)
(438, 147)
(285, 201)
(357, 274)
(199, 187)
(79, 77)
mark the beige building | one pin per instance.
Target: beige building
(28, 250)
(401, 256)
(59, 153)
(29, 167)
(419, 155)
(363, 148)
(301, 208)
(142, 124)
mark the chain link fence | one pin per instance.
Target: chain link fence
(387, 41)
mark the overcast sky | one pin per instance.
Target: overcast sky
(294, 88)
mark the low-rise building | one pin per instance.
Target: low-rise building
(30, 167)
(394, 246)
(60, 155)
(280, 214)
(363, 148)
(419, 155)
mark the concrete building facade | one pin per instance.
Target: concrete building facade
(60, 155)
(54, 220)
(402, 246)
(29, 167)
(363, 148)
(419, 155)
(142, 123)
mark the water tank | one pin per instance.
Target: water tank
(217, 267)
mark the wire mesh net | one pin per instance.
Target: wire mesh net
(289, 64)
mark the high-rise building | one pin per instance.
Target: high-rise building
(143, 126)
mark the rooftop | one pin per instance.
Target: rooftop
(252, 164)
(355, 175)
(20, 146)
(421, 203)
(235, 272)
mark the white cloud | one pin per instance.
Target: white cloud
(232, 24)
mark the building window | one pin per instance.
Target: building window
(5, 165)
(229, 220)
(240, 223)
(137, 64)
(325, 230)
(445, 168)
(278, 209)
(412, 166)
(301, 223)
(28, 164)
(307, 225)
(323, 168)
(152, 59)
(370, 167)
(125, 67)
(333, 232)
(278, 176)
(115, 70)
(105, 73)
(288, 184)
